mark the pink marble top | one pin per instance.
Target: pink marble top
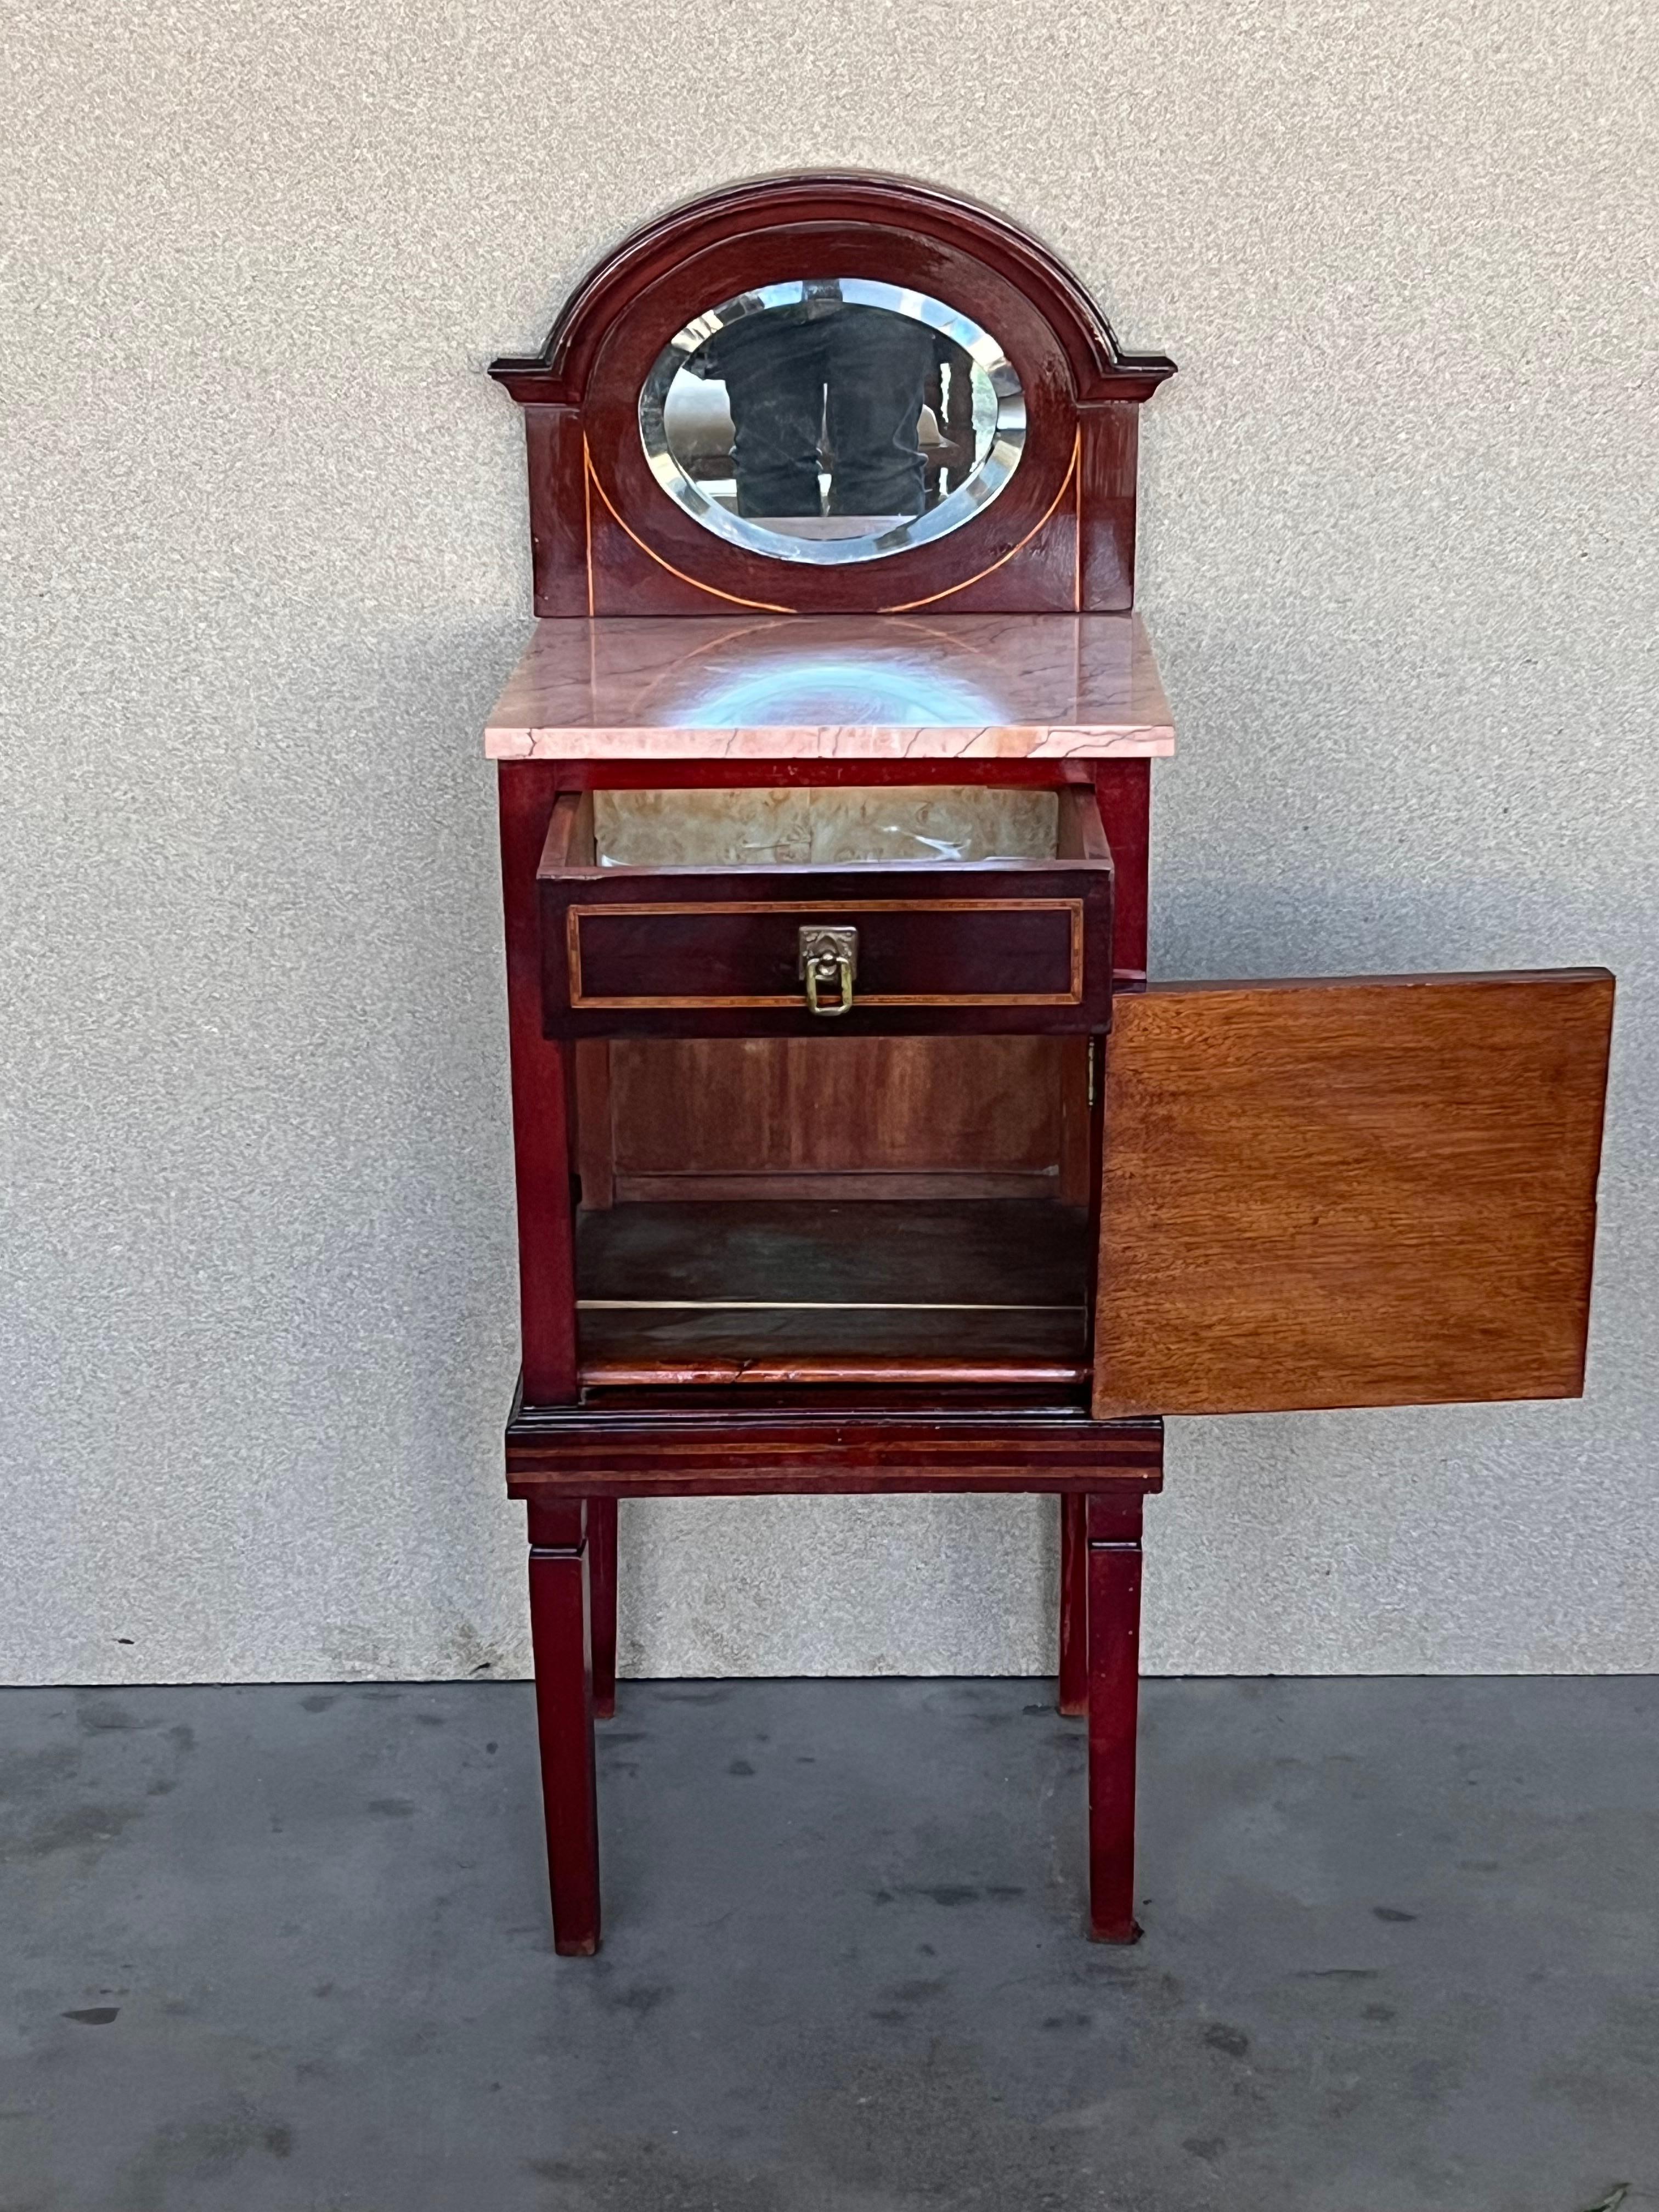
(844, 687)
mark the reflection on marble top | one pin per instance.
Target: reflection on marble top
(827, 687)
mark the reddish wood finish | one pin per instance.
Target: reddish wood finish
(596, 1148)
(981, 947)
(906, 1403)
(975, 1293)
(1316, 1193)
(558, 519)
(1107, 467)
(845, 1117)
(663, 1447)
(602, 1593)
(547, 1282)
(1114, 1601)
(1074, 1698)
(748, 1370)
(559, 1636)
(573, 1466)
(1060, 536)
(1123, 793)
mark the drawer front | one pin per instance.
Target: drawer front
(1015, 945)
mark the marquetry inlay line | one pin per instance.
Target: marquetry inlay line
(783, 907)
(908, 606)
(763, 606)
(587, 522)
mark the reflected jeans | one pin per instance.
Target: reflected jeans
(855, 377)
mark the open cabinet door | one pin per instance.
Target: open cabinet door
(1351, 1192)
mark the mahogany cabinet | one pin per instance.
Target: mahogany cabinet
(855, 1150)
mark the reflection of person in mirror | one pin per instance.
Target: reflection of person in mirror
(831, 383)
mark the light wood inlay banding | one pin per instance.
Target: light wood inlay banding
(581, 1001)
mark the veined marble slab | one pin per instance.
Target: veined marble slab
(779, 827)
(834, 687)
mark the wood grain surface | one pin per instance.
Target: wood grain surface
(767, 1292)
(1000, 1252)
(974, 947)
(981, 1116)
(1359, 1192)
(1060, 536)
(821, 1442)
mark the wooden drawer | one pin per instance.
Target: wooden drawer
(984, 946)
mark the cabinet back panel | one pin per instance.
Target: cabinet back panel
(905, 1116)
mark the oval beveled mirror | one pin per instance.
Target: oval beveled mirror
(831, 420)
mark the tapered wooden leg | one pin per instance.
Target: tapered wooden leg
(602, 1588)
(1113, 1581)
(1073, 1608)
(561, 1636)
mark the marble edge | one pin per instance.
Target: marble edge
(863, 741)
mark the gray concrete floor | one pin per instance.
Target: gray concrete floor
(284, 1950)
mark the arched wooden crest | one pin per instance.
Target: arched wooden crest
(607, 539)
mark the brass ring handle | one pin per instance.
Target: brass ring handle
(842, 973)
(828, 957)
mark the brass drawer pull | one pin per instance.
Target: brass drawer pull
(829, 957)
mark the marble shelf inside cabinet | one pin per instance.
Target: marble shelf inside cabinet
(834, 687)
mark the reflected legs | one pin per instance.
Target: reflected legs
(775, 392)
(854, 379)
(877, 373)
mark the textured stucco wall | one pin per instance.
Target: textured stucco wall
(267, 564)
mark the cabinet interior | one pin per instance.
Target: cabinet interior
(913, 1208)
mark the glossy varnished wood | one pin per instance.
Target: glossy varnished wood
(978, 947)
(670, 1444)
(980, 1360)
(1073, 1697)
(1358, 1191)
(1123, 793)
(1366, 1192)
(561, 1633)
(602, 1602)
(996, 1252)
(990, 1290)
(608, 540)
(1112, 1528)
(826, 1116)
(557, 375)
(540, 1077)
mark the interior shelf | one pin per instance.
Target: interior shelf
(978, 1291)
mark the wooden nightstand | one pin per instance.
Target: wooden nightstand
(870, 1161)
